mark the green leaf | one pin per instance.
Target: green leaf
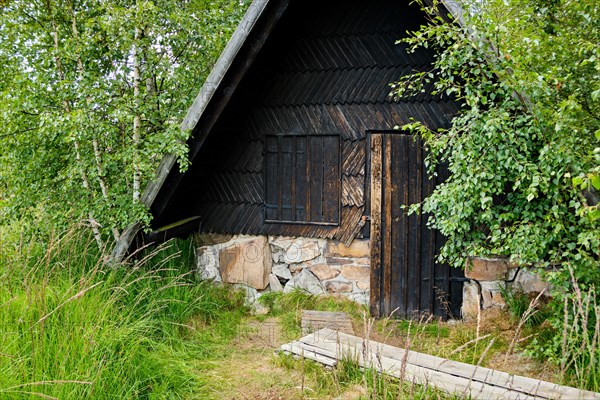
(595, 180)
(578, 180)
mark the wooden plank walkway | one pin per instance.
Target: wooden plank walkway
(327, 346)
(312, 321)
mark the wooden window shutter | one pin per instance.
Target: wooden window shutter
(302, 178)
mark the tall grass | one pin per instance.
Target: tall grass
(579, 347)
(71, 328)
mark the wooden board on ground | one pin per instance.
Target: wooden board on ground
(313, 321)
(329, 346)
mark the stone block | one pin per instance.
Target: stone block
(493, 286)
(251, 298)
(281, 242)
(246, 261)
(498, 300)
(338, 287)
(528, 281)
(250, 294)
(207, 239)
(274, 283)
(512, 274)
(363, 261)
(471, 300)
(302, 251)
(486, 269)
(491, 294)
(324, 271)
(339, 261)
(207, 263)
(361, 297)
(356, 272)
(282, 271)
(297, 250)
(277, 254)
(307, 281)
(359, 248)
(364, 284)
(295, 268)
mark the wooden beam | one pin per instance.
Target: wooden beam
(315, 320)
(375, 237)
(386, 225)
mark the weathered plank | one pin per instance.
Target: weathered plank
(451, 376)
(388, 187)
(315, 320)
(353, 193)
(531, 386)
(350, 225)
(331, 179)
(310, 352)
(329, 346)
(375, 193)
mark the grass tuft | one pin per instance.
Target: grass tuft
(71, 328)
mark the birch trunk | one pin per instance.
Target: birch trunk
(137, 120)
(85, 181)
(95, 145)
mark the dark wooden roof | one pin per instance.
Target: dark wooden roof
(302, 66)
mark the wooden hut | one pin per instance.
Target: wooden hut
(293, 148)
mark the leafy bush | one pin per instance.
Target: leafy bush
(523, 151)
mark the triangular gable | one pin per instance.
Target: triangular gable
(214, 96)
(259, 19)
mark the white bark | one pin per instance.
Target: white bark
(137, 120)
(97, 154)
(85, 182)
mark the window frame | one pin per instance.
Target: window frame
(338, 179)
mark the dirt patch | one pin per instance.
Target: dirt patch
(265, 334)
(250, 371)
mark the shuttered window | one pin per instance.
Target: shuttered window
(302, 179)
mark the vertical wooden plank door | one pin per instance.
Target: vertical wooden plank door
(406, 280)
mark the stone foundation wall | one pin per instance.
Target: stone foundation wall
(490, 277)
(260, 263)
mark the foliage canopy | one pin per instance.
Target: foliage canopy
(524, 150)
(92, 94)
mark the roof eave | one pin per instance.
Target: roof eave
(210, 86)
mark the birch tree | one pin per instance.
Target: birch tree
(92, 96)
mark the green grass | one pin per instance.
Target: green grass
(288, 307)
(71, 328)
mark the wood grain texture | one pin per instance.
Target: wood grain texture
(353, 190)
(315, 320)
(298, 72)
(388, 187)
(411, 283)
(375, 239)
(451, 376)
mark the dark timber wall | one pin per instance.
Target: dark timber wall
(325, 69)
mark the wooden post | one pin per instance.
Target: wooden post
(376, 181)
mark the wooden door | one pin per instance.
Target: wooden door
(406, 280)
